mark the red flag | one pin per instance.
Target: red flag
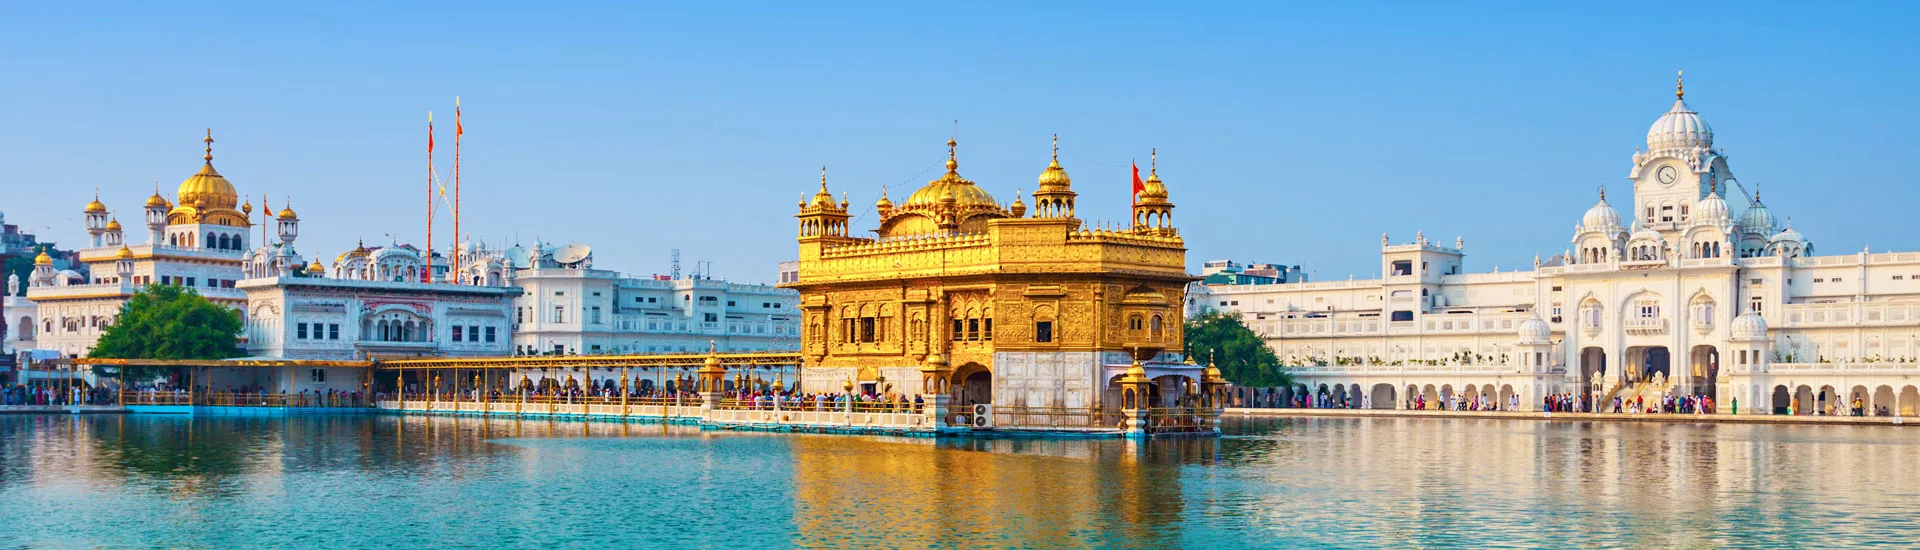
(1138, 186)
(430, 139)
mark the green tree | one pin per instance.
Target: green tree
(1242, 357)
(169, 322)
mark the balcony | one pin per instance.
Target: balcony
(1646, 326)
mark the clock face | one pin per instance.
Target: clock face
(1667, 174)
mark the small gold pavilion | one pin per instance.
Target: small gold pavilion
(959, 295)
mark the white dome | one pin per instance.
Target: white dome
(1757, 219)
(1601, 216)
(1679, 128)
(1712, 210)
(1789, 235)
(1535, 331)
(1749, 327)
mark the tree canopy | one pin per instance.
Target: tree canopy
(1242, 357)
(170, 322)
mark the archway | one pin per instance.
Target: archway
(1592, 361)
(1412, 390)
(1645, 362)
(1446, 396)
(1705, 372)
(1859, 395)
(1432, 397)
(1804, 395)
(1909, 401)
(972, 384)
(1507, 402)
(1829, 401)
(1883, 403)
(1782, 400)
(1383, 397)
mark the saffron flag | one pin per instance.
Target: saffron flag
(1138, 186)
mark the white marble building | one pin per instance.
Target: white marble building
(198, 243)
(571, 308)
(1692, 297)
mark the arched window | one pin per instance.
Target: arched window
(1155, 328)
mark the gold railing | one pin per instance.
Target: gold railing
(250, 399)
(1177, 419)
(1053, 417)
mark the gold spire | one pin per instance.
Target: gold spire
(209, 140)
(1054, 178)
(1756, 192)
(1153, 163)
(1603, 192)
(96, 205)
(953, 159)
(1680, 85)
(1056, 149)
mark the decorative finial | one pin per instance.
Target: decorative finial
(953, 160)
(1056, 147)
(1153, 162)
(1756, 191)
(209, 140)
(823, 178)
(1713, 185)
(1680, 85)
(1603, 192)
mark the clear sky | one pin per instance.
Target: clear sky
(1288, 132)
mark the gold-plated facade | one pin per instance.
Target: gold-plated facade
(979, 300)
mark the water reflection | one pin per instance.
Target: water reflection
(363, 481)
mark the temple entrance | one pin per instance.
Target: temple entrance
(975, 385)
(1705, 374)
(1383, 397)
(1592, 361)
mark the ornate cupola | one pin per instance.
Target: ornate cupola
(1680, 128)
(114, 237)
(1151, 209)
(884, 206)
(289, 223)
(157, 207)
(96, 214)
(949, 204)
(1054, 198)
(822, 218)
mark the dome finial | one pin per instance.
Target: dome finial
(1756, 191)
(823, 178)
(953, 160)
(209, 141)
(1056, 148)
(1153, 162)
(1680, 85)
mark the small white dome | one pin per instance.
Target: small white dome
(1757, 219)
(1712, 210)
(1535, 331)
(1680, 127)
(1749, 326)
(1601, 216)
(1789, 235)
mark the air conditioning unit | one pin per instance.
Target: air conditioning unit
(983, 416)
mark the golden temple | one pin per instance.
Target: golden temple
(991, 303)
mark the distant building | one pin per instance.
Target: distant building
(1228, 272)
(570, 308)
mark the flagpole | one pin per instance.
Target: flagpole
(458, 130)
(427, 276)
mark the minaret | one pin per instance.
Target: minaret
(123, 264)
(114, 237)
(1054, 198)
(42, 269)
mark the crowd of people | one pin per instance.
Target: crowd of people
(56, 394)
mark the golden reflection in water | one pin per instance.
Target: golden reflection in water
(858, 491)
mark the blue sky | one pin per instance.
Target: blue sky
(1291, 133)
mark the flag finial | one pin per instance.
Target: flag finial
(1680, 85)
(1056, 147)
(1153, 162)
(953, 159)
(209, 141)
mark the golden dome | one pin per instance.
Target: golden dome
(884, 204)
(359, 251)
(1018, 209)
(1055, 178)
(124, 253)
(208, 186)
(157, 201)
(1154, 191)
(43, 258)
(247, 207)
(286, 212)
(113, 224)
(823, 199)
(962, 190)
(96, 206)
(315, 267)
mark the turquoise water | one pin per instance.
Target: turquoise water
(384, 481)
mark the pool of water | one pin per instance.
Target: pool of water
(386, 481)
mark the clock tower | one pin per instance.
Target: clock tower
(1679, 167)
